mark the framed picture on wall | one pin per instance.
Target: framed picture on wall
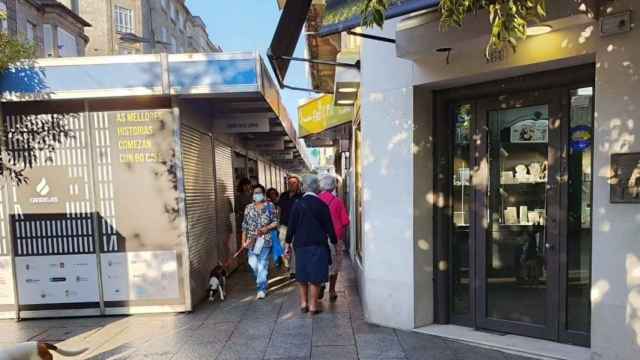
(625, 178)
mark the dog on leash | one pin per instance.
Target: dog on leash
(35, 350)
(217, 282)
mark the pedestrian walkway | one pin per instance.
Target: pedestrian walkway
(244, 328)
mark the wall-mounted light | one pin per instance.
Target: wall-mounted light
(345, 102)
(347, 90)
(347, 80)
(538, 30)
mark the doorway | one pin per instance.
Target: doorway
(516, 234)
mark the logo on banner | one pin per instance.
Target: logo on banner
(43, 190)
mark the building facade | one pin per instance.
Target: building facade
(151, 26)
(498, 195)
(53, 28)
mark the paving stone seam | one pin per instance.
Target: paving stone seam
(273, 330)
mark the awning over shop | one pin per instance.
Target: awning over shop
(344, 15)
(237, 86)
(338, 16)
(285, 39)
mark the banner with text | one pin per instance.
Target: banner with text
(320, 114)
(140, 230)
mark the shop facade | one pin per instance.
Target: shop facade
(131, 211)
(492, 196)
(509, 169)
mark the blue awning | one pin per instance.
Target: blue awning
(232, 82)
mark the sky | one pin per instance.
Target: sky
(248, 25)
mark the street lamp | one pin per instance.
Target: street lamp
(132, 38)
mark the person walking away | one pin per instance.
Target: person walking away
(285, 203)
(310, 225)
(260, 220)
(340, 220)
(277, 249)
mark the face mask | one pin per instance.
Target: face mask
(258, 197)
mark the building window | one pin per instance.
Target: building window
(48, 40)
(172, 11)
(67, 45)
(172, 48)
(180, 22)
(75, 6)
(4, 24)
(163, 34)
(31, 32)
(124, 19)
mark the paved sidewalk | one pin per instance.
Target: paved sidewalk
(243, 328)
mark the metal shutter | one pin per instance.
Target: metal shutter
(225, 202)
(272, 174)
(200, 201)
(260, 172)
(268, 176)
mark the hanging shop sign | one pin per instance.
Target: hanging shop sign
(281, 156)
(343, 15)
(320, 114)
(240, 125)
(267, 145)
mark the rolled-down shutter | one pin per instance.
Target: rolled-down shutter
(225, 202)
(200, 201)
(267, 176)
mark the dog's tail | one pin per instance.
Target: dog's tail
(64, 352)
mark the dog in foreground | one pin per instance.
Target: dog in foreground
(36, 350)
(217, 281)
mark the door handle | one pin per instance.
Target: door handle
(548, 246)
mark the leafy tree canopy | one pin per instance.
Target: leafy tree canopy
(31, 138)
(12, 50)
(508, 18)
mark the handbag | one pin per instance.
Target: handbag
(276, 247)
(257, 248)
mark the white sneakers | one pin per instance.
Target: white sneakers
(261, 295)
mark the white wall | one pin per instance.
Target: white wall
(395, 269)
(615, 324)
(387, 172)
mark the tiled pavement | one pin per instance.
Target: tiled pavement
(243, 328)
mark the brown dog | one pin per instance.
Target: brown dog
(35, 351)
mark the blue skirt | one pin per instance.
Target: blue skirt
(312, 264)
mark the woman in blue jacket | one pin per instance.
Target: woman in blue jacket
(310, 225)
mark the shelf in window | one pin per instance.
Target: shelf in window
(516, 227)
(524, 183)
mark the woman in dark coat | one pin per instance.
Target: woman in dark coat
(310, 225)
